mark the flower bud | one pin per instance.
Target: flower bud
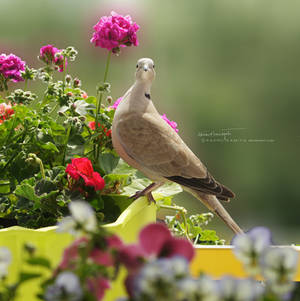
(68, 78)
(109, 99)
(76, 83)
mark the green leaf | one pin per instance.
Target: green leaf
(26, 191)
(122, 180)
(45, 187)
(63, 109)
(136, 185)
(108, 161)
(124, 168)
(39, 261)
(4, 187)
(28, 276)
(49, 146)
(208, 235)
(75, 147)
(91, 100)
(169, 189)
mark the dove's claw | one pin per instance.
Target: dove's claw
(150, 198)
(146, 192)
(137, 195)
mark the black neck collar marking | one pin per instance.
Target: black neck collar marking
(147, 95)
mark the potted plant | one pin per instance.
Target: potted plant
(56, 148)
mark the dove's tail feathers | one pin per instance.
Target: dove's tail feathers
(206, 185)
(213, 204)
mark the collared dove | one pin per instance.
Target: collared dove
(146, 142)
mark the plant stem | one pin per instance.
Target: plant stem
(64, 74)
(54, 109)
(35, 158)
(98, 106)
(66, 145)
(25, 84)
(182, 212)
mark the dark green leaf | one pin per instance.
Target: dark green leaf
(39, 261)
(28, 276)
(108, 162)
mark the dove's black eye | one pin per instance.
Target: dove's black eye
(137, 66)
(153, 66)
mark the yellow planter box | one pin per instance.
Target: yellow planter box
(218, 261)
(215, 261)
(51, 244)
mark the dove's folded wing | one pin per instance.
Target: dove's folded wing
(152, 143)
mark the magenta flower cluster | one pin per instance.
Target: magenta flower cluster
(171, 123)
(48, 54)
(114, 31)
(11, 67)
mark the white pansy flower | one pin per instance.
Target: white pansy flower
(248, 248)
(83, 214)
(82, 219)
(67, 224)
(279, 266)
(239, 289)
(203, 289)
(66, 287)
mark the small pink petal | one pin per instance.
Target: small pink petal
(153, 237)
(132, 256)
(177, 247)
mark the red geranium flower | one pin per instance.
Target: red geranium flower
(5, 111)
(92, 126)
(82, 168)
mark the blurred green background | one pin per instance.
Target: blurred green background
(220, 65)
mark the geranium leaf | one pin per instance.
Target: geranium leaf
(108, 162)
(26, 191)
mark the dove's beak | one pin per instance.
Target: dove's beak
(146, 68)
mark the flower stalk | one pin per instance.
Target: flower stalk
(98, 106)
(33, 158)
(182, 211)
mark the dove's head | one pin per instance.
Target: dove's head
(145, 70)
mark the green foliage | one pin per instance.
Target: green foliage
(193, 227)
(41, 138)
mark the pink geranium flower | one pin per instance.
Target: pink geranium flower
(155, 241)
(5, 111)
(99, 256)
(114, 31)
(97, 286)
(48, 56)
(116, 103)
(82, 168)
(171, 123)
(11, 67)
